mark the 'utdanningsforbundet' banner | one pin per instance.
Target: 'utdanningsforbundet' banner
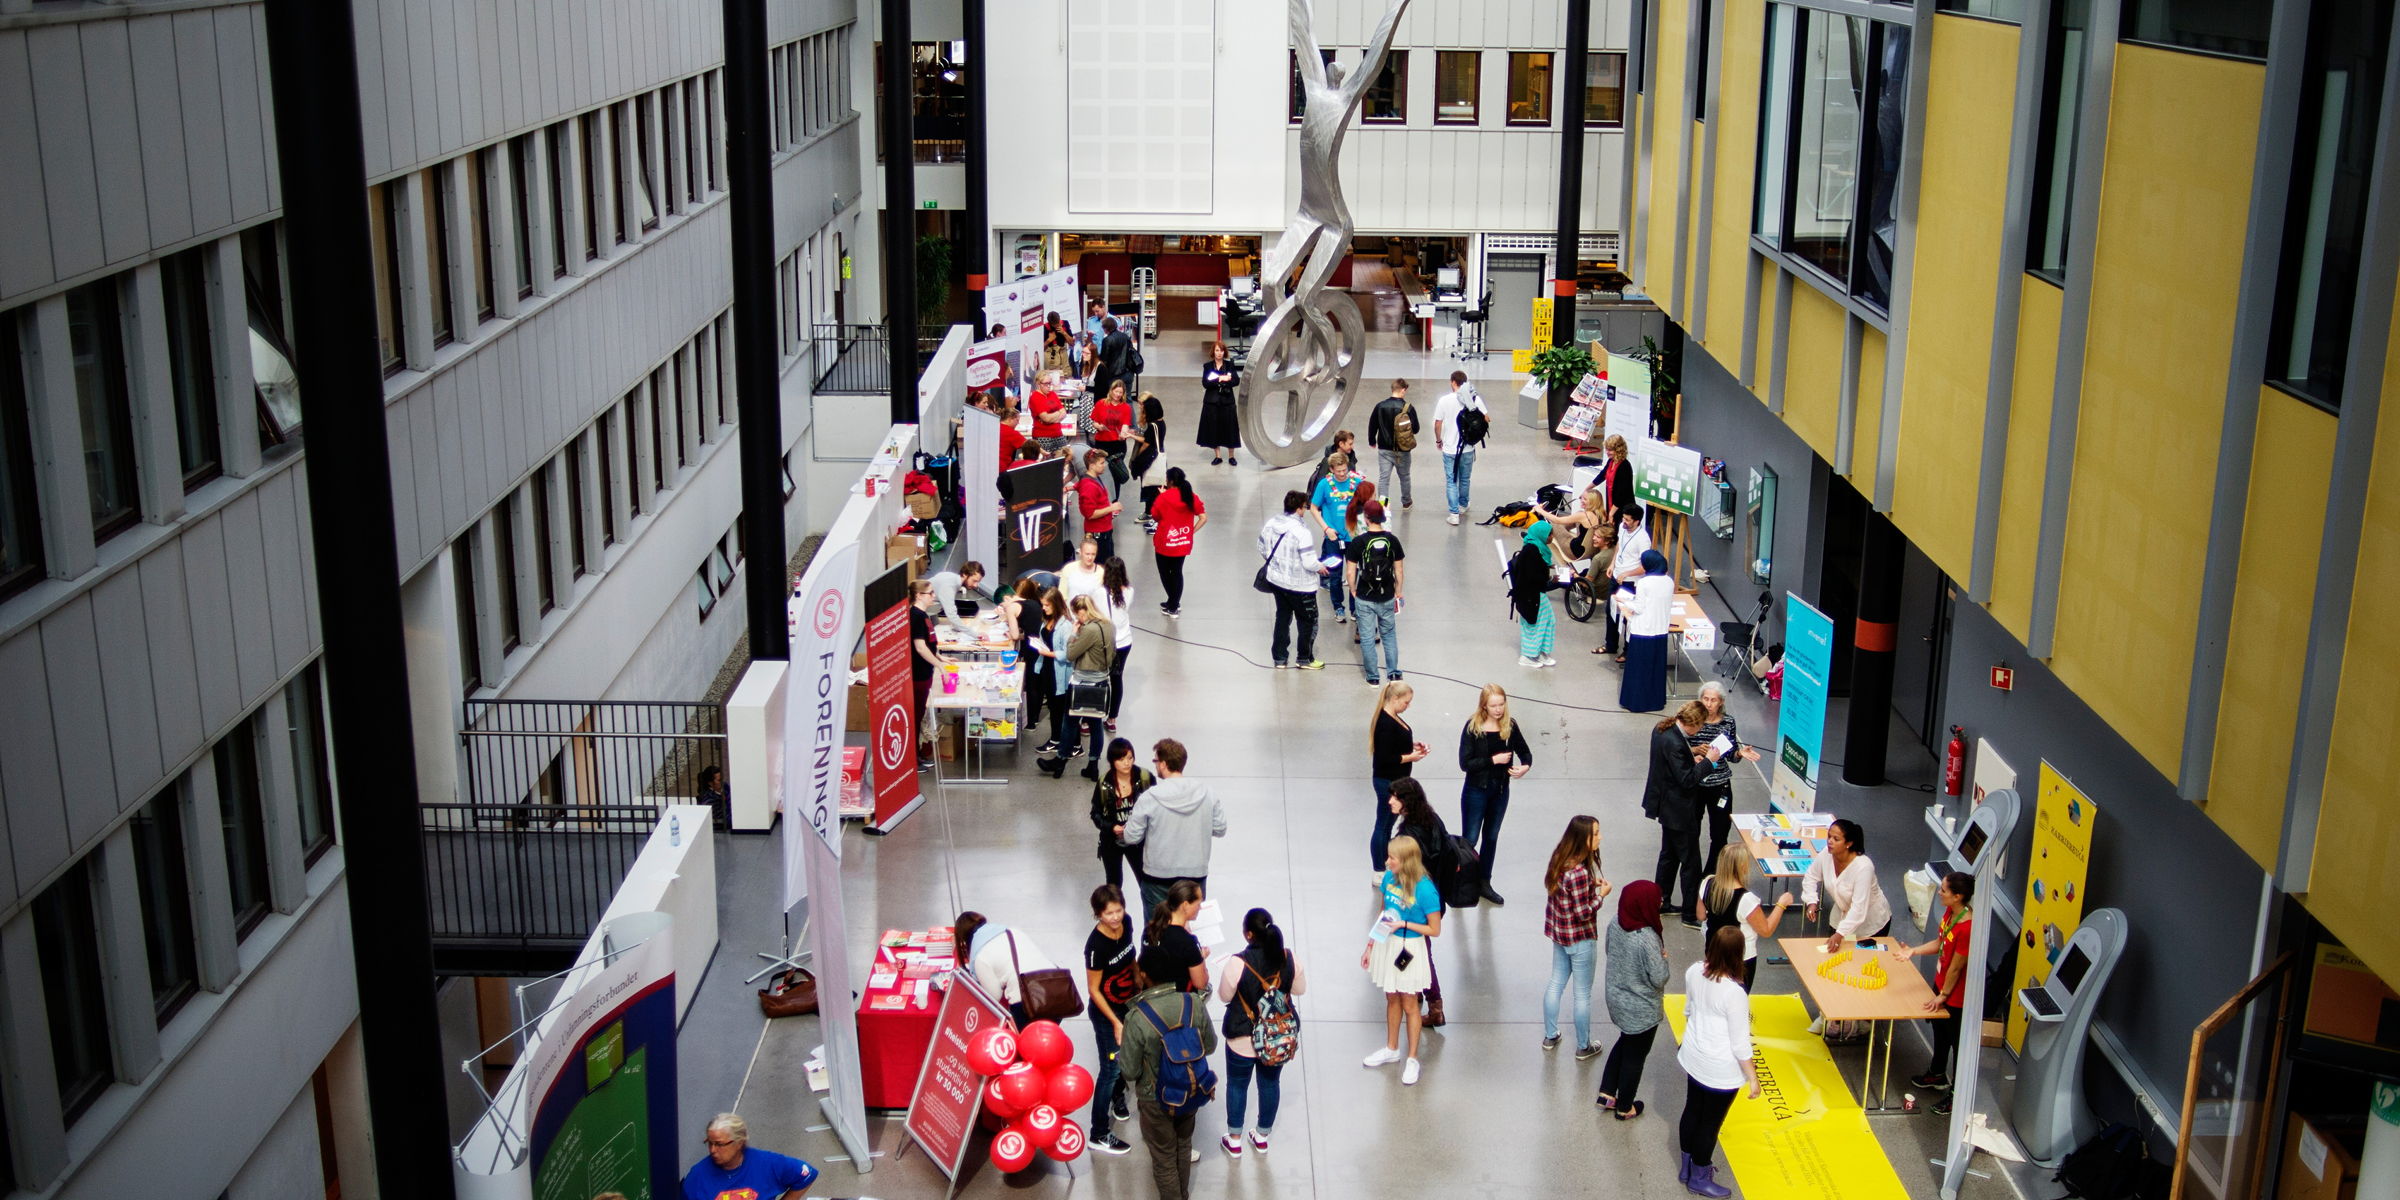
(601, 1083)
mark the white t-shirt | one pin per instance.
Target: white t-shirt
(1445, 416)
(1716, 1031)
(1741, 917)
(1074, 581)
(1653, 606)
(1120, 616)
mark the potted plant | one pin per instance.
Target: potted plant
(1563, 366)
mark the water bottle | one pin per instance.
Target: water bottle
(675, 830)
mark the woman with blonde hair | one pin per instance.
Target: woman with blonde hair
(1492, 751)
(1397, 954)
(1615, 484)
(1571, 921)
(1728, 901)
(1396, 752)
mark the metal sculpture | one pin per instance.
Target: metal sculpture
(1308, 355)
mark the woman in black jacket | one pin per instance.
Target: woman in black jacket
(1113, 795)
(1410, 814)
(1492, 751)
(1220, 431)
(1671, 797)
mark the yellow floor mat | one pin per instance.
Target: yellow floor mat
(1805, 1136)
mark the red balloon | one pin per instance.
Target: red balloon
(991, 1049)
(998, 1101)
(1070, 1087)
(1045, 1045)
(1041, 1125)
(1023, 1085)
(1069, 1145)
(1012, 1151)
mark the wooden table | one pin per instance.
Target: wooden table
(1903, 999)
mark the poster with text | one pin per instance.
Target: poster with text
(2054, 877)
(891, 698)
(1800, 725)
(987, 368)
(602, 1082)
(1033, 530)
(949, 1094)
(1628, 401)
(824, 625)
(1665, 476)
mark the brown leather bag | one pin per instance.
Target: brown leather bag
(792, 993)
(1431, 997)
(1048, 995)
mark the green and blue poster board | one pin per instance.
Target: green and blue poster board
(1800, 727)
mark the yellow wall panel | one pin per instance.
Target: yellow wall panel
(1812, 385)
(2271, 598)
(2154, 388)
(2014, 546)
(1962, 187)
(1867, 427)
(1665, 98)
(2358, 829)
(1767, 349)
(1735, 113)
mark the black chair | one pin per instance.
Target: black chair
(1739, 641)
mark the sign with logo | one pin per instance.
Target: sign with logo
(2054, 877)
(949, 1095)
(2004, 679)
(601, 1080)
(1800, 726)
(987, 367)
(824, 625)
(1033, 527)
(891, 698)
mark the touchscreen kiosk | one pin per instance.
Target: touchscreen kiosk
(2049, 1108)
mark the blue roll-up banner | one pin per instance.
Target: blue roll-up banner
(1800, 730)
(601, 1082)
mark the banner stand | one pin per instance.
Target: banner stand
(792, 954)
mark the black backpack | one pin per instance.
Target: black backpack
(1378, 574)
(1461, 882)
(2114, 1165)
(1473, 427)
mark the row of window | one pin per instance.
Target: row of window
(1833, 123)
(2224, 27)
(808, 86)
(202, 299)
(808, 288)
(1458, 88)
(169, 886)
(504, 220)
(557, 528)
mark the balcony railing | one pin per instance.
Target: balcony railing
(856, 360)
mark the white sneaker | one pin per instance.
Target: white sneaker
(1195, 1154)
(1454, 518)
(1383, 1056)
(1535, 663)
(1548, 661)
(1408, 1074)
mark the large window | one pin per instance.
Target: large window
(2326, 215)
(1529, 87)
(1604, 89)
(482, 167)
(191, 365)
(277, 384)
(1299, 92)
(1995, 10)
(66, 937)
(520, 195)
(312, 759)
(2064, 52)
(20, 511)
(437, 250)
(504, 535)
(165, 882)
(1457, 86)
(587, 131)
(96, 330)
(242, 810)
(383, 232)
(545, 592)
(2235, 28)
(1832, 129)
(1387, 97)
(470, 629)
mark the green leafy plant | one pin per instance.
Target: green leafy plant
(1563, 366)
(933, 279)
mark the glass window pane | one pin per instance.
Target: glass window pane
(555, 145)
(1825, 177)
(504, 533)
(1997, 10)
(601, 455)
(241, 809)
(277, 385)
(1387, 97)
(645, 174)
(1529, 88)
(437, 256)
(1299, 93)
(66, 938)
(547, 598)
(470, 630)
(97, 337)
(1457, 86)
(2237, 28)
(191, 365)
(480, 169)
(165, 882)
(2054, 153)
(312, 759)
(20, 514)
(383, 236)
(587, 129)
(1886, 138)
(521, 158)
(1775, 121)
(620, 147)
(575, 477)
(1604, 89)
(2325, 217)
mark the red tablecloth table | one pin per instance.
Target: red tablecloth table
(893, 1041)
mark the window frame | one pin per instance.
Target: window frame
(1299, 93)
(1591, 61)
(110, 413)
(66, 921)
(163, 875)
(1523, 60)
(437, 254)
(1474, 98)
(464, 597)
(391, 326)
(545, 589)
(242, 814)
(191, 365)
(521, 166)
(1395, 69)
(2052, 201)
(481, 166)
(2331, 180)
(577, 566)
(1783, 113)
(312, 761)
(587, 134)
(20, 496)
(504, 550)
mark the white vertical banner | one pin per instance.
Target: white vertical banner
(824, 625)
(844, 1103)
(981, 469)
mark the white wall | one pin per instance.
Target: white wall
(287, 1163)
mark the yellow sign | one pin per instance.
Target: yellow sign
(1541, 324)
(2062, 852)
(1804, 1137)
(1521, 361)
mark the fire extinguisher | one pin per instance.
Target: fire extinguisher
(1954, 762)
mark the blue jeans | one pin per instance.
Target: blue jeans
(1106, 1083)
(1571, 963)
(1483, 806)
(1238, 1070)
(1378, 624)
(1380, 841)
(1333, 578)
(1457, 469)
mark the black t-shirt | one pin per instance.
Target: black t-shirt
(1392, 742)
(1113, 958)
(1172, 959)
(1380, 544)
(920, 629)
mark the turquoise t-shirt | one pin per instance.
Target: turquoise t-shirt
(1333, 504)
(1412, 910)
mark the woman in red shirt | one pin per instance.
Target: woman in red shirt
(1098, 508)
(1180, 515)
(1110, 418)
(1047, 409)
(1949, 984)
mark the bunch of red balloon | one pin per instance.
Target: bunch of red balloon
(1032, 1088)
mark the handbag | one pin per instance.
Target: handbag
(1430, 1000)
(1260, 582)
(792, 993)
(1087, 693)
(1048, 994)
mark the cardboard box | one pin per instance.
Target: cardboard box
(859, 710)
(950, 739)
(2316, 1164)
(905, 548)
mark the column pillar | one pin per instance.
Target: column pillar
(757, 352)
(1875, 635)
(979, 179)
(1572, 91)
(899, 208)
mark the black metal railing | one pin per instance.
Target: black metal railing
(856, 360)
(518, 888)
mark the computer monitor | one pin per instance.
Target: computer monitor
(1242, 285)
(1972, 844)
(2071, 970)
(1448, 279)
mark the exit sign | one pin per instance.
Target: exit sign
(2004, 679)
(933, 204)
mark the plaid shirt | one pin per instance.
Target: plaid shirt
(1573, 914)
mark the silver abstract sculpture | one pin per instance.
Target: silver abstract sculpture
(1309, 352)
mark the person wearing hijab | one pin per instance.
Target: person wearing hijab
(1529, 591)
(1647, 609)
(1636, 995)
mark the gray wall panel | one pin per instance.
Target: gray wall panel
(449, 100)
(240, 75)
(404, 486)
(450, 418)
(167, 633)
(420, 86)
(308, 559)
(266, 104)
(196, 75)
(79, 720)
(37, 814)
(400, 114)
(246, 583)
(64, 129)
(367, 26)
(210, 599)
(24, 259)
(127, 689)
(158, 106)
(424, 462)
(116, 139)
(280, 533)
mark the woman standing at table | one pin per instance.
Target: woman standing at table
(1113, 795)
(1049, 413)
(1716, 786)
(1088, 653)
(1846, 876)
(1647, 610)
(1716, 1057)
(1220, 431)
(1729, 902)
(1636, 990)
(998, 956)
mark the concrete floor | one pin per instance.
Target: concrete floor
(1287, 753)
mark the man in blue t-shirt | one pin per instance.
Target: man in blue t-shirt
(734, 1171)
(1332, 506)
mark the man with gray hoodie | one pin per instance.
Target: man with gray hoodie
(1173, 823)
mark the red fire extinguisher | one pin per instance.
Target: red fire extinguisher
(1954, 762)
